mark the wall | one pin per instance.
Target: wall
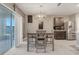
(71, 27)
(72, 19)
(24, 28)
(76, 26)
(19, 29)
(77, 30)
(48, 24)
(23, 20)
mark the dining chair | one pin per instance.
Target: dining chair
(41, 40)
(31, 40)
(50, 40)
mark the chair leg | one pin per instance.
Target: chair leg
(27, 44)
(45, 49)
(52, 44)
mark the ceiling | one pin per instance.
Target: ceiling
(4, 11)
(49, 8)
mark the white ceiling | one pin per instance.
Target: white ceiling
(49, 8)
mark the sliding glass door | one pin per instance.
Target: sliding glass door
(6, 29)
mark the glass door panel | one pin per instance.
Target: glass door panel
(6, 29)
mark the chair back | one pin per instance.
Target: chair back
(41, 33)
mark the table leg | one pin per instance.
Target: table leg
(52, 44)
(27, 43)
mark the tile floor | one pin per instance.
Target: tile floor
(62, 47)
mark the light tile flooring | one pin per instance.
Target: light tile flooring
(62, 47)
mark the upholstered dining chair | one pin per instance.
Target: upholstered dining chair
(41, 40)
(31, 40)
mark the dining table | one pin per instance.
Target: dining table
(33, 35)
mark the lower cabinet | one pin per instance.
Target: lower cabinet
(60, 35)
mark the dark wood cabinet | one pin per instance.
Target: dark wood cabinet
(59, 35)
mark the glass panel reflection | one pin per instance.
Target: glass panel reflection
(6, 29)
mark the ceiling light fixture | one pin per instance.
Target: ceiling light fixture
(59, 4)
(41, 15)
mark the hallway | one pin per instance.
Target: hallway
(62, 47)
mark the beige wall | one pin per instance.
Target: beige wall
(71, 29)
(72, 19)
(77, 29)
(24, 19)
(48, 24)
(18, 29)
